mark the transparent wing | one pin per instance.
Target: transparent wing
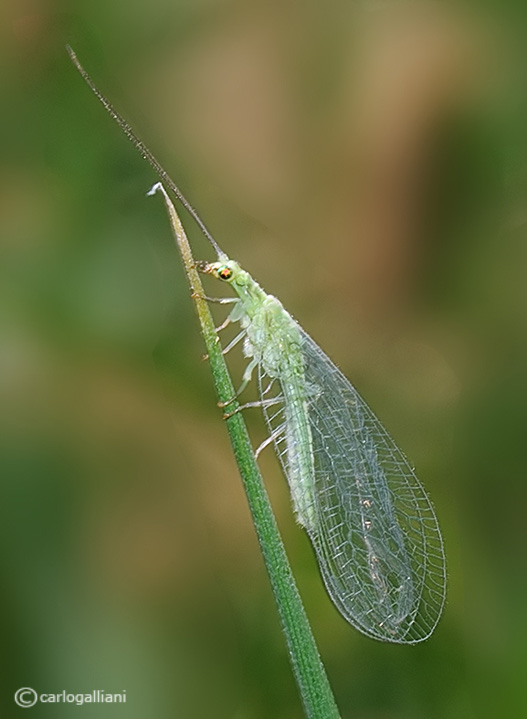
(375, 533)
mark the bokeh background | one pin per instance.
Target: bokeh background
(366, 163)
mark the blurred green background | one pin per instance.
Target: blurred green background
(366, 163)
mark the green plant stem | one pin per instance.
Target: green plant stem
(308, 669)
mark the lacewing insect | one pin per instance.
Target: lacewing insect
(371, 523)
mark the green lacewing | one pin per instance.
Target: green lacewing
(371, 523)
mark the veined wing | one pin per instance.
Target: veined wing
(375, 533)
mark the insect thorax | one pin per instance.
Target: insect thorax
(273, 338)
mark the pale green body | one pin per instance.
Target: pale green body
(273, 342)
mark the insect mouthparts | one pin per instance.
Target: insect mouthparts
(203, 266)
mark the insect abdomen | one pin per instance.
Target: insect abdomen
(299, 451)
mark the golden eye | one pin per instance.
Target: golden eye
(225, 273)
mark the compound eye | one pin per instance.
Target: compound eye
(225, 273)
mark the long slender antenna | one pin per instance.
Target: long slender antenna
(145, 152)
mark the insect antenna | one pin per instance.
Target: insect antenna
(145, 152)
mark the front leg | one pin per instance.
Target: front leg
(217, 300)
